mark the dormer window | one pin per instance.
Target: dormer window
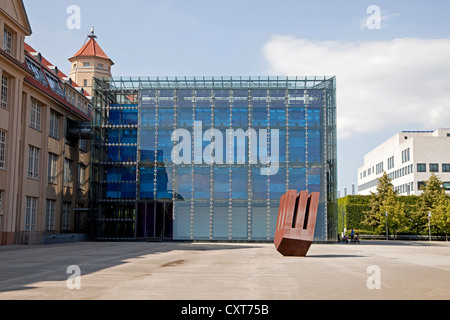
(36, 70)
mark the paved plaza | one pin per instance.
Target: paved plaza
(224, 271)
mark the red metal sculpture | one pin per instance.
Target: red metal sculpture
(296, 222)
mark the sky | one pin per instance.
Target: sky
(391, 61)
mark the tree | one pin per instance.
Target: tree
(440, 215)
(396, 216)
(375, 218)
(432, 192)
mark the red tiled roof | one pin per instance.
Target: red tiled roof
(46, 65)
(91, 49)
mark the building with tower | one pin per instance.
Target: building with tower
(89, 62)
(44, 150)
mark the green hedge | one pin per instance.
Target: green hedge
(355, 211)
(355, 208)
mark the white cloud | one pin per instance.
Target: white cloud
(402, 83)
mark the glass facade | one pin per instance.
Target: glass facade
(209, 158)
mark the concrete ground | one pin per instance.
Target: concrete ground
(225, 271)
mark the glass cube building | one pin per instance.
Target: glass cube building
(208, 158)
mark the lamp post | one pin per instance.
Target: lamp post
(429, 225)
(387, 233)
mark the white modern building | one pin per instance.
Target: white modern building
(408, 158)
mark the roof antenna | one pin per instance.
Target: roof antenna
(92, 35)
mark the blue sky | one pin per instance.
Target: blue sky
(284, 37)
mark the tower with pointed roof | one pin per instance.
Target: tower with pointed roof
(89, 62)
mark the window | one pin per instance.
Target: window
(390, 162)
(67, 172)
(86, 64)
(446, 185)
(81, 176)
(1, 205)
(420, 185)
(421, 167)
(30, 214)
(85, 83)
(446, 167)
(54, 84)
(7, 41)
(33, 162)
(4, 92)
(35, 115)
(54, 125)
(434, 167)
(50, 215)
(51, 168)
(82, 145)
(2, 148)
(66, 216)
(38, 75)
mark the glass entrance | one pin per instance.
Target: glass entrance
(154, 221)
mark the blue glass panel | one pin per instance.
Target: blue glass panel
(259, 221)
(201, 220)
(147, 175)
(185, 118)
(128, 154)
(111, 190)
(313, 117)
(221, 183)
(129, 136)
(259, 117)
(314, 177)
(222, 117)
(239, 221)
(165, 145)
(239, 183)
(165, 117)
(278, 117)
(129, 116)
(147, 137)
(127, 190)
(282, 145)
(259, 98)
(239, 116)
(113, 136)
(114, 117)
(182, 220)
(314, 145)
(297, 179)
(220, 220)
(112, 174)
(185, 98)
(202, 183)
(277, 185)
(278, 98)
(166, 98)
(297, 117)
(297, 147)
(184, 180)
(259, 185)
(148, 117)
(128, 173)
(113, 153)
(203, 115)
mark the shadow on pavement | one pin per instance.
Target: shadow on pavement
(22, 266)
